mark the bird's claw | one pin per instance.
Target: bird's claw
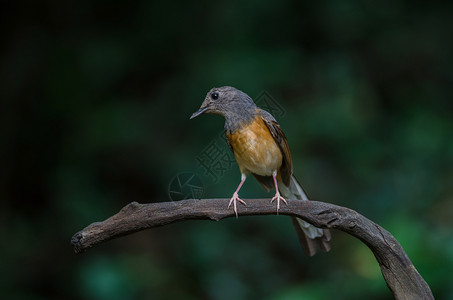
(278, 197)
(234, 200)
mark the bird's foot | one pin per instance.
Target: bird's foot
(277, 198)
(234, 200)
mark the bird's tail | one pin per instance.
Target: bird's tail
(310, 237)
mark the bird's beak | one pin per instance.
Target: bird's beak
(199, 112)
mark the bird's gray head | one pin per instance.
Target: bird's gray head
(228, 102)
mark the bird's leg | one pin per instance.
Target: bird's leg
(235, 197)
(277, 196)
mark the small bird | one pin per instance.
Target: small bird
(261, 149)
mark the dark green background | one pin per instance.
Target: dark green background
(96, 98)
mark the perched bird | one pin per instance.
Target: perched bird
(260, 148)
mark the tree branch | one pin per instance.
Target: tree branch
(399, 273)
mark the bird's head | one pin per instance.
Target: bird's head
(225, 101)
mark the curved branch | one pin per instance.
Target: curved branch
(399, 273)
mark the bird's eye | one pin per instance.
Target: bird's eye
(215, 96)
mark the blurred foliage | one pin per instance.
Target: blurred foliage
(96, 98)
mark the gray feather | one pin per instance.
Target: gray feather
(310, 236)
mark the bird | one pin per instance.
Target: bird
(260, 148)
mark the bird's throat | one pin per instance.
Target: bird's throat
(238, 119)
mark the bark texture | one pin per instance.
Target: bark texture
(399, 273)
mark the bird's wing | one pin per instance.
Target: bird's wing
(286, 170)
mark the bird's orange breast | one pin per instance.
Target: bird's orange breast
(255, 149)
